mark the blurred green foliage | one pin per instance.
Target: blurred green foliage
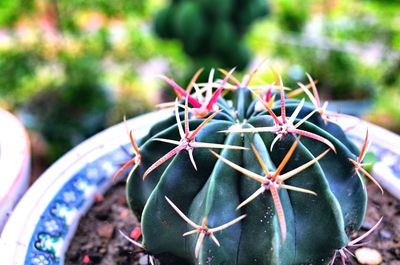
(69, 112)
(108, 8)
(386, 110)
(291, 15)
(369, 22)
(11, 10)
(340, 75)
(17, 72)
(73, 68)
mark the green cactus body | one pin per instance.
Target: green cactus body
(211, 29)
(315, 225)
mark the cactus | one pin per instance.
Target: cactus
(263, 179)
(211, 29)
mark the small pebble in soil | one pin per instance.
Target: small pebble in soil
(105, 230)
(99, 197)
(385, 234)
(102, 250)
(368, 256)
(135, 233)
(86, 259)
(144, 260)
(124, 213)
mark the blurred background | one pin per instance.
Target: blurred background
(70, 68)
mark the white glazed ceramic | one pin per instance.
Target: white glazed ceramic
(14, 163)
(43, 223)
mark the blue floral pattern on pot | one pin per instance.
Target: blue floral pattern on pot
(47, 241)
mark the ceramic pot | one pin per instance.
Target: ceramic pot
(14, 163)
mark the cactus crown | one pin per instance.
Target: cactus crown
(270, 180)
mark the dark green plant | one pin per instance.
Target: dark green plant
(282, 189)
(211, 30)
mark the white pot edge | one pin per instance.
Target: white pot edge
(17, 232)
(14, 163)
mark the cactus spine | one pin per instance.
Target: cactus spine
(269, 180)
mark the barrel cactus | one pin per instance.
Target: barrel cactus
(258, 179)
(212, 33)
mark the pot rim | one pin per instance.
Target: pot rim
(14, 153)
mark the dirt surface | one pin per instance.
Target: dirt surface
(98, 240)
(386, 239)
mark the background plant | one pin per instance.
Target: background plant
(211, 33)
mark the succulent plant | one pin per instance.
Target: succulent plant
(211, 30)
(260, 179)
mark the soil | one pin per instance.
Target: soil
(98, 240)
(386, 239)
